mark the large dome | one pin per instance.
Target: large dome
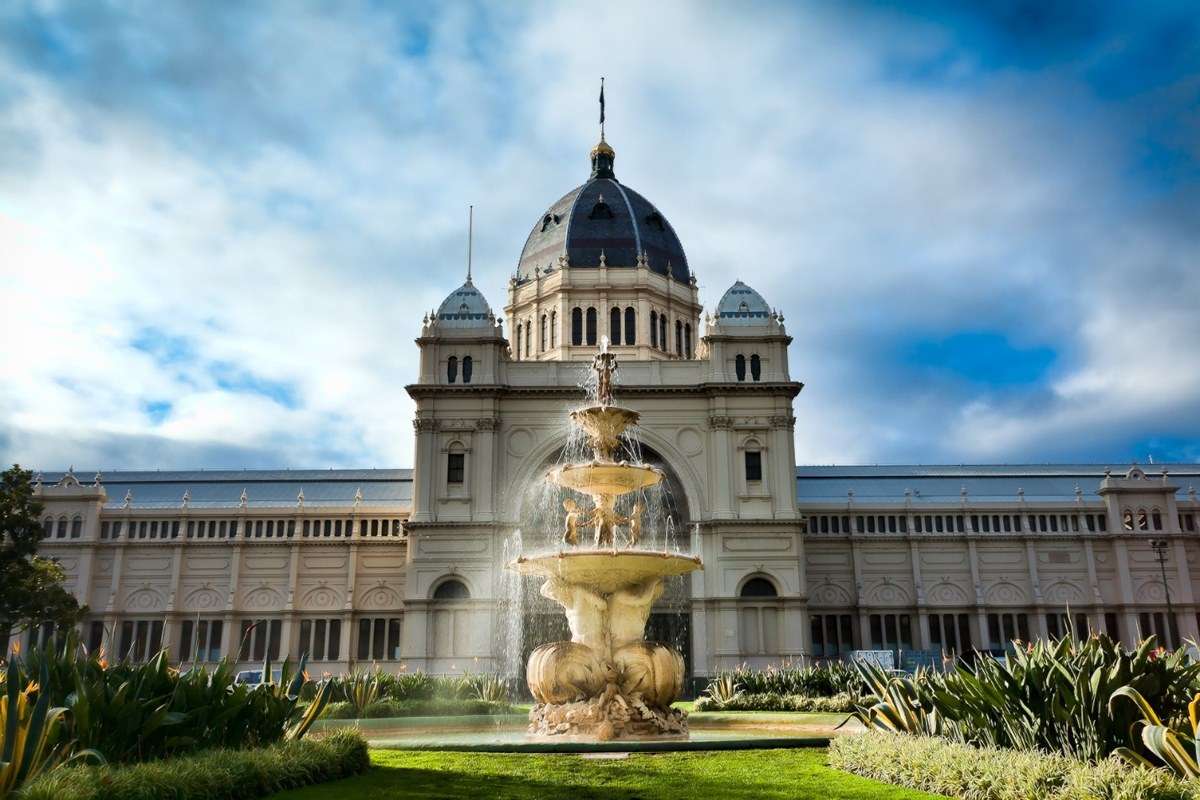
(602, 215)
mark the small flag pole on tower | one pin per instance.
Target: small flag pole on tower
(602, 108)
(470, 238)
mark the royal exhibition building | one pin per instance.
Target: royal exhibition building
(404, 568)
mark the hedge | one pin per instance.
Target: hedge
(213, 774)
(440, 707)
(839, 703)
(982, 773)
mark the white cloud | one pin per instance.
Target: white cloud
(301, 223)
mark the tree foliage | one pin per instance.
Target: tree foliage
(31, 587)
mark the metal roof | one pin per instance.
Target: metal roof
(264, 488)
(984, 482)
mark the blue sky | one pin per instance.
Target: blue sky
(221, 223)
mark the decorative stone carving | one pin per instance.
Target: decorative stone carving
(947, 594)
(563, 672)
(1005, 593)
(720, 423)
(783, 422)
(424, 424)
(487, 424)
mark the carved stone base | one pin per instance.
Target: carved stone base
(609, 716)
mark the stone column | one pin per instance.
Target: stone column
(1125, 585)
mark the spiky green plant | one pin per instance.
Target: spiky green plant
(897, 704)
(361, 690)
(1178, 750)
(722, 690)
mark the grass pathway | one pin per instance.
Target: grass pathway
(738, 775)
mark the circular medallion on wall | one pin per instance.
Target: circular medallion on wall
(690, 441)
(520, 442)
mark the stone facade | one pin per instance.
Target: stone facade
(402, 567)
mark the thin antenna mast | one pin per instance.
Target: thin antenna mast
(470, 238)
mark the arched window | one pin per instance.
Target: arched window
(1156, 519)
(630, 326)
(456, 465)
(576, 326)
(554, 329)
(452, 590)
(468, 368)
(529, 339)
(758, 587)
(62, 528)
(1143, 521)
(654, 329)
(543, 342)
(519, 341)
(451, 369)
(1127, 520)
(687, 340)
(614, 325)
(755, 366)
(591, 325)
(76, 527)
(48, 526)
(739, 367)
(678, 338)
(758, 618)
(662, 332)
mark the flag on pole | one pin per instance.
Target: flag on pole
(602, 102)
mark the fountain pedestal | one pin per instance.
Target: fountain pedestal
(607, 681)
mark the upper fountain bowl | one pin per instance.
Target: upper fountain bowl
(605, 479)
(604, 425)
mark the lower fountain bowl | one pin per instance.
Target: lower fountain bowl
(606, 571)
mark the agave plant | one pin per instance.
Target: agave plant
(361, 690)
(723, 690)
(897, 704)
(489, 688)
(1179, 750)
(32, 733)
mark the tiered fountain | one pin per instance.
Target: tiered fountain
(608, 681)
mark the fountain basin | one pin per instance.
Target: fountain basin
(605, 479)
(607, 571)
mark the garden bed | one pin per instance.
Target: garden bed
(987, 773)
(220, 773)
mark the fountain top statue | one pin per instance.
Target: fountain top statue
(604, 364)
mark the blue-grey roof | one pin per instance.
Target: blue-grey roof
(264, 488)
(984, 483)
(603, 215)
(741, 305)
(466, 307)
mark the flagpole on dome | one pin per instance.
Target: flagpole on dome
(602, 108)
(470, 237)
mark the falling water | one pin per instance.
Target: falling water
(526, 619)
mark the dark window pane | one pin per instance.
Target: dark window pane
(393, 648)
(276, 629)
(335, 639)
(364, 639)
(455, 467)
(377, 641)
(753, 465)
(318, 644)
(305, 648)
(185, 640)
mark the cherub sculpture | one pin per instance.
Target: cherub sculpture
(574, 518)
(634, 521)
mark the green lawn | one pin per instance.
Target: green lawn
(793, 774)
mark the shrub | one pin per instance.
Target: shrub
(228, 774)
(987, 773)
(436, 707)
(821, 680)
(1050, 696)
(842, 703)
(132, 712)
